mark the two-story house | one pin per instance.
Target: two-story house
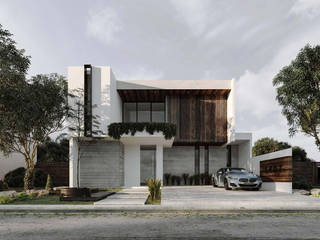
(203, 112)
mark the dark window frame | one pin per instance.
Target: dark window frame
(150, 103)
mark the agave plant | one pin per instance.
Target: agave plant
(154, 187)
(167, 177)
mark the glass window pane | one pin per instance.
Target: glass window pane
(144, 112)
(158, 112)
(129, 112)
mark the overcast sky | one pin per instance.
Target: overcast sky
(176, 39)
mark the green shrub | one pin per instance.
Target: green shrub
(167, 178)
(49, 185)
(23, 196)
(115, 130)
(40, 178)
(178, 180)
(300, 182)
(173, 180)
(15, 177)
(196, 179)
(154, 187)
(3, 185)
(191, 178)
(185, 177)
(5, 200)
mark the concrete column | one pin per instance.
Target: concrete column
(229, 161)
(197, 163)
(159, 162)
(206, 159)
(132, 165)
(73, 162)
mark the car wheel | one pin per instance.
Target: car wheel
(226, 185)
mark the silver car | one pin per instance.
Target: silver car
(236, 178)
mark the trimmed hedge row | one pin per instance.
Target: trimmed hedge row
(115, 130)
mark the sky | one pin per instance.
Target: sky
(247, 40)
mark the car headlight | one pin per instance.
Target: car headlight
(233, 178)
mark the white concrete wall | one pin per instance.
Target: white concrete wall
(106, 102)
(73, 162)
(132, 165)
(272, 186)
(218, 157)
(235, 156)
(231, 112)
(159, 162)
(244, 155)
(11, 162)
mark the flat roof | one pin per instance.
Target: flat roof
(173, 84)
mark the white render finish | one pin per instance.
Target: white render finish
(159, 162)
(10, 162)
(132, 165)
(73, 163)
(106, 102)
(231, 112)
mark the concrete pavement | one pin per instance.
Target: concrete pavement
(188, 198)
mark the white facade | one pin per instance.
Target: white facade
(107, 104)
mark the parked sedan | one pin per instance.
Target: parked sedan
(236, 178)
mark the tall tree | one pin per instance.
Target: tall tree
(29, 113)
(298, 92)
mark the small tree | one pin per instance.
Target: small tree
(298, 92)
(76, 120)
(49, 185)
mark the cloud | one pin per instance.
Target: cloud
(194, 13)
(308, 8)
(139, 73)
(104, 24)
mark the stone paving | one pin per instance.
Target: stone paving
(128, 196)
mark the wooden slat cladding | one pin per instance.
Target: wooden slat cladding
(276, 170)
(200, 119)
(138, 95)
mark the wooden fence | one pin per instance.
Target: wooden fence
(59, 172)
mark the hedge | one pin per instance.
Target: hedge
(115, 130)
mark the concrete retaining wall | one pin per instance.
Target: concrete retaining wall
(272, 186)
(180, 159)
(101, 164)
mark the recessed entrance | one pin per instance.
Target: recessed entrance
(147, 163)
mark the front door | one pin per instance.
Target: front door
(147, 163)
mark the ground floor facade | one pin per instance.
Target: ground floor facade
(128, 162)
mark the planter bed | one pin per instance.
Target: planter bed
(94, 197)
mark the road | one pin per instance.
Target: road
(160, 226)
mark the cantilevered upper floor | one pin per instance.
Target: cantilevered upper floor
(203, 110)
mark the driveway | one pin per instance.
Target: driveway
(207, 197)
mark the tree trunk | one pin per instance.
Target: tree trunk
(28, 178)
(78, 166)
(317, 140)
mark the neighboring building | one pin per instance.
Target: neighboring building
(203, 111)
(10, 162)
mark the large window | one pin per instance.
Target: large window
(144, 112)
(129, 112)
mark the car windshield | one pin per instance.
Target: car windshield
(236, 170)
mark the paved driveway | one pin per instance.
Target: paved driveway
(207, 197)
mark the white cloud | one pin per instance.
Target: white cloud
(103, 24)
(194, 13)
(139, 73)
(309, 8)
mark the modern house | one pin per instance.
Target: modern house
(202, 112)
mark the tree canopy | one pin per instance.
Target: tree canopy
(268, 145)
(298, 92)
(31, 109)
